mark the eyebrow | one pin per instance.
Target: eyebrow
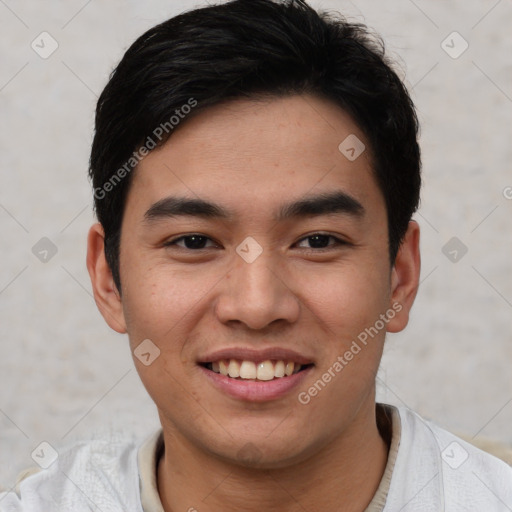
(337, 202)
(322, 204)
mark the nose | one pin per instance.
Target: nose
(256, 294)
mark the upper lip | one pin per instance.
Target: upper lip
(250, 354)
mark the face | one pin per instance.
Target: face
(252, 246)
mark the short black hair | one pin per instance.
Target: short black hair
(244, 49)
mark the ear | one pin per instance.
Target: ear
(106, 295)
(405, 276)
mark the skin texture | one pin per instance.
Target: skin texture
(223, 453)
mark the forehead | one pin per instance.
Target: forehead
(252, 154)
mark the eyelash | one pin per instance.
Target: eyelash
(337, 242)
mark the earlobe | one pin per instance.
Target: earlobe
(405, 278)
(106, 295)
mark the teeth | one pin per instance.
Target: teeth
(234, 369)
(265, 370)
(279, 369)
(223, 368)
(247, 370)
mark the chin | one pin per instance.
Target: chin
(264, 454)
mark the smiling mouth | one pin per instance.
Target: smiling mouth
(249, 370)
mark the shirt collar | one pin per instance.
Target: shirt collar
(388, 420)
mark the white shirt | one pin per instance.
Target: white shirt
(428, 469)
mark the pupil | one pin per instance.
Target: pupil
(319, 241)
(195, 242)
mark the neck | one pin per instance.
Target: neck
(344, 476)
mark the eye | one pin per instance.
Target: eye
(321, 241)
(192, 242)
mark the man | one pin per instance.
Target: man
(255, 170)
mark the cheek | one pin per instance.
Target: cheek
(161, 305)
(160, 302)
(347, 298)
(349, 303)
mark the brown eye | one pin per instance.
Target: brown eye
(192, 242)
(320, 241)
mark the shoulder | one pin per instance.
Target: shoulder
(87, 475)
(446, 472)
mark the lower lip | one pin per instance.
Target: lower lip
(256, 390)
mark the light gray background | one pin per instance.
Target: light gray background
(65, 375)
